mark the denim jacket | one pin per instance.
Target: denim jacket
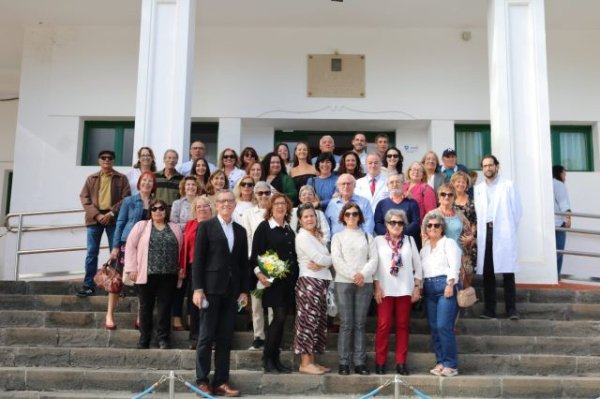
(131, 212)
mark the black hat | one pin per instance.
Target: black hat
(449, 152)
(109, 152)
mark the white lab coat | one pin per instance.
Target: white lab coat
(506, 223)
(363, 188)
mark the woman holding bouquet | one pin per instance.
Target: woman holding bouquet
(274, 235)
(314, 261)
(355, 259)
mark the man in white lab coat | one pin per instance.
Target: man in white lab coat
(373, 186)
(498, 214)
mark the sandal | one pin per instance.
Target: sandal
(449, 372)
(437, 370)
(311, 369)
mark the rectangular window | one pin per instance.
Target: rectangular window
(208, 133)
(472, 143)
(572, 147)
(103, 135)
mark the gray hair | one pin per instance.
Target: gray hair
(261, 185)
(396, 212)
(306, 187)
(434, 215)
(224, 191)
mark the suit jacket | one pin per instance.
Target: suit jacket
(216, 270)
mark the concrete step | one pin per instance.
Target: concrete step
(176, 359)
(465, 326)
(524, 295)
(257, 383)
(472, 344)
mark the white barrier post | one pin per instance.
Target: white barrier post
(171, 384)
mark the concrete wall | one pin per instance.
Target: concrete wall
(70, 74)
(8, 125)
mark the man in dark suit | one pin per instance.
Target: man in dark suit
(220, 277)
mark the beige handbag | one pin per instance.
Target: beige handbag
(466, 297)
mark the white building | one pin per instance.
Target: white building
(435, 71)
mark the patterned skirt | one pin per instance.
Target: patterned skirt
(311, 315)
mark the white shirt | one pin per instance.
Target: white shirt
(133, 176)
(491, 199)
(235, 175)
(561, 201)
(228, 230)
(309, 247)
(239, 210)
(443, 260)
(251, 218)
(186, 168)
(352, 255)
(404, 283)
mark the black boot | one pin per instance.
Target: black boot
(280, 367)
(269, 366)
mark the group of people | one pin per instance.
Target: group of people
(356, 225)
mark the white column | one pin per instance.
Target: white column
(162, 118)
(230, 135)
(521, 126)
(440, 136)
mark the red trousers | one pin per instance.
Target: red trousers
(391, 307)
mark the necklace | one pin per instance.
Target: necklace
(447, 213)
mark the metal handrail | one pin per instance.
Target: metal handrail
(579, 231)
(21, 228)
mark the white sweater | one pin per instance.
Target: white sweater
(351, 254)
(404, 283)
(309, 247)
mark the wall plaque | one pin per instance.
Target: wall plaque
(336, 75)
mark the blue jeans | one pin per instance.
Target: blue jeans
(353, 304)
(441, 314)
(94, 236)
(561, 241)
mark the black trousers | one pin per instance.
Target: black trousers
(217, 323)
(489, 280)
(274, 333)
(194, 313)
(158, 289)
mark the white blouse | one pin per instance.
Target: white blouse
(309, 247)
(404, 283)
(444, 259)
(322, 223)
(351, 254)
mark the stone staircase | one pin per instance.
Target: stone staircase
(53, 345)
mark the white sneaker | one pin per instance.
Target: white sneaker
(437, 370)
(448, 372)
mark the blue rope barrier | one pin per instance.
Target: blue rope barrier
(397, 379)
(149, 390)
(372, 393)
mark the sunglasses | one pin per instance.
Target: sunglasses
(261, 193)
(246, 184)
(395, 223)
(106, 158)
(434, 225)
(393, 156)
(351, 214)
(229, 156)
(449, 195)
(157, 208)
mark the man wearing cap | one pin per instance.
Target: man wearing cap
(197, 151)
(449, 165)
(101, 197)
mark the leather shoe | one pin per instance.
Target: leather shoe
(205, 388)
(361, 370)
(379, 369)
(401, 369)
(226, 390)
(269, 366)
(164, 344)
(344, 369)
(280, 367)
(143, 345)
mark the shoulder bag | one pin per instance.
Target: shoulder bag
(108, 278)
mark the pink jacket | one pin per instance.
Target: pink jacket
(136, 249)
(423, 194)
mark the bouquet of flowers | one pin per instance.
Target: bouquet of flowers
(272, 267)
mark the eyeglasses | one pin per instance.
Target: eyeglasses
(261, 193)
(248, 154)
(157, 208)
(279, 204)
(449, 195)
(395, 223)
(393, 156)
(203, 206)
(106, 158)
(395, 182)
(247, 184)
(434, 225)
(351, 214)
(228, 156)
(226, 201)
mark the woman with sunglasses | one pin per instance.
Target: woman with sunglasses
(355, 259)
(244, 197)
(133, 209)
(314, 261)
(350, 163)
(440, 261)
(302, 169)
(152, 262)
(392, 161)
(247, 156)
(397, 284)
(307, 195)
(275, 234)
(275, 174)
(458, 227)
(228, 164)
(201, 171)
(201, 212)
